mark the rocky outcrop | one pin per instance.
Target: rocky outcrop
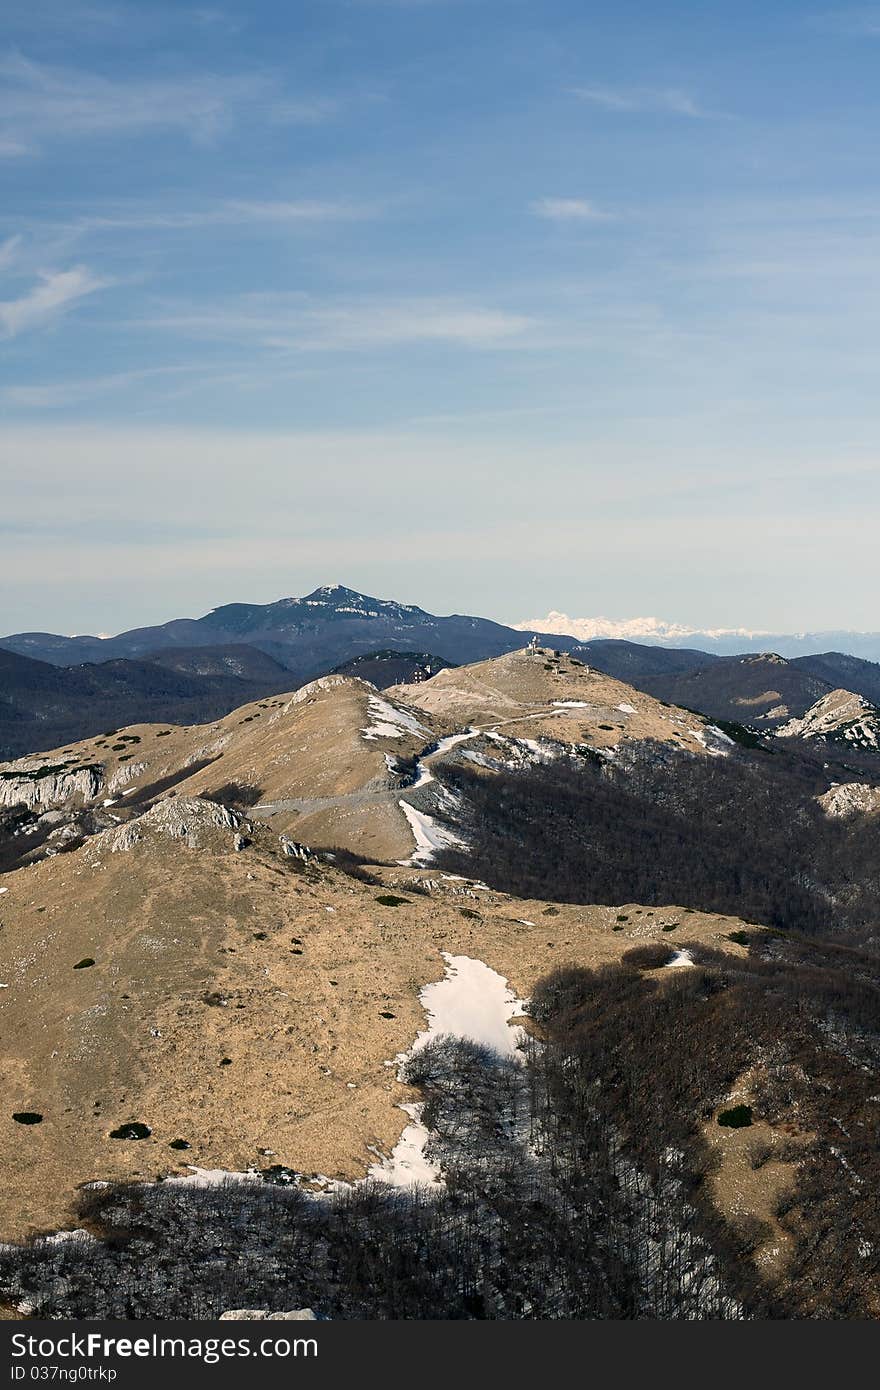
(188, 818)
(124, 774)
(258, 1314)
(839, 717)
(847, 799)
(308, 692)
(294, 850)
(33, 782)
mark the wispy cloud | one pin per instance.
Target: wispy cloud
(12, 148)
(54, 293)
(672, 100)
(568, 210)
(293, 323)
(40, 103)
(58, 395)
(9, 250)
(227, 213)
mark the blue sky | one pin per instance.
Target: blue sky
(489, 305)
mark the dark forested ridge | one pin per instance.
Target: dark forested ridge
(43, 706)
(743, 835)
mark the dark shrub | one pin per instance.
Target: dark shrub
(651, 956)
(133, 1130)
(738, 1117)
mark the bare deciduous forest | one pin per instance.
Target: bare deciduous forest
(743, 835)
(576, 1185)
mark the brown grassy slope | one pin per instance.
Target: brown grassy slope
(322, 781)
(523, 695)
(203, 954)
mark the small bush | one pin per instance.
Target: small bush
(738, 1117)
(390, 900)
(134, 1130)
(239, 794)
(651, 956)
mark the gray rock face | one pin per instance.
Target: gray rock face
(32, 782)
(850, 799)
(294, 850)
(840, 717)
(260, 1314)
(185, 818)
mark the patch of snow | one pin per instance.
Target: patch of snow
(532, 744)
(471, 1001)
(627, 709)
(212, 1177)
(680, 959)
(407, 1163)
(428, 833)
(710, 737)
(390, 721)
(572, 704)
(719, 733)
(425, 775)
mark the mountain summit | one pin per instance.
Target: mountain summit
(308, 635)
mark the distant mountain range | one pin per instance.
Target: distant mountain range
(306, 635)
(190, 670)
(723, 641)
(55, 688)
(760, 689)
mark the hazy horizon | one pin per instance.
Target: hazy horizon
(584, 626)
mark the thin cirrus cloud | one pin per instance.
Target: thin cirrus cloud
(59, 395)
(53, 294)
(227, 213)
(635, 100)
(40, 103)
(568, 210)
(291, 323)
(9, 250)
